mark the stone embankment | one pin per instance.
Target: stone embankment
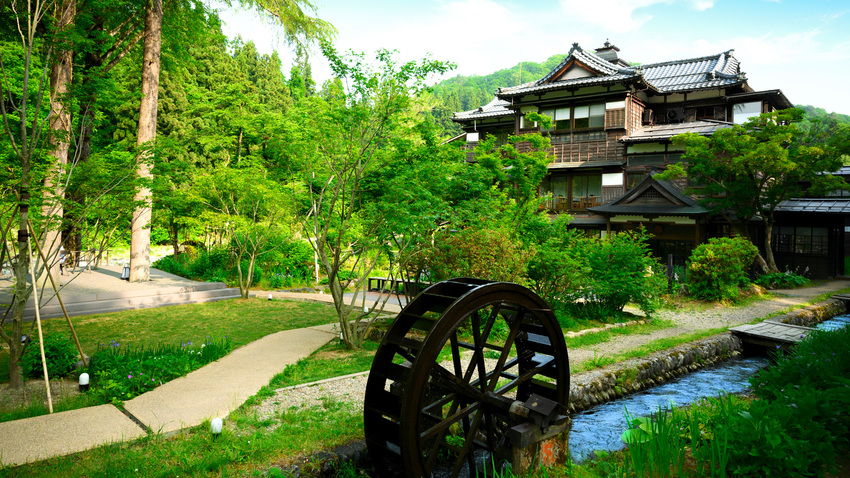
(599, 386)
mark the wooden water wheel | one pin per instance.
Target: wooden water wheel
(451, 369)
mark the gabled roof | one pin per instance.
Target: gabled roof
(652, 197)
(494, 109)
(672, 76)
(663, 132)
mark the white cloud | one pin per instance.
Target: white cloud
(702, 5)
(612, 15)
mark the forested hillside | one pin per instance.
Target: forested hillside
(462, 93)
(813, 112)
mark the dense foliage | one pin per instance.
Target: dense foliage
(746, 171)
(796, 426)
(60, 352)
(481, 253)
(119, 373)
(719, 267)
(463, 93)
(781, 280)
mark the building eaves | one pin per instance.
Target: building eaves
(815, 205)
(559, 85)
(664, 132)
(646, 210)
(495, 108)
(774, 97)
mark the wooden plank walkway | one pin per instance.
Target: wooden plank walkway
(771, 334)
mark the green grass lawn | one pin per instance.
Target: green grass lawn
(242, 320)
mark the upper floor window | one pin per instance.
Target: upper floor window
(582, 117)
(741, 112)
(589, 116)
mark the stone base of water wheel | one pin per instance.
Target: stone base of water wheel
(533, 448)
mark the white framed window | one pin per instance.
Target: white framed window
(741, 112)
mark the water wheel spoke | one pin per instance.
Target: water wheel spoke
(436, 434)
(454, 383)
(469, 441)
(478, 356)
(506, 351)
(476, 346)
(526, 376)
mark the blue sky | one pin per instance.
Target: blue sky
(799, 46)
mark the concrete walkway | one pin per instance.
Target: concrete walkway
(212, 391)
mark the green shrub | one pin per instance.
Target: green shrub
(121, 373)
(481, 253)
(60, 352)
(612, 271)
(795, 435)
(555, 269)
(294, 258)
(719, 267)
(816, 361)
(171, 265)
(781, 280)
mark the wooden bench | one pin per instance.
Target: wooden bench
(379, 284)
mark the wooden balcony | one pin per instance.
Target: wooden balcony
(581, 203)
(562, 204)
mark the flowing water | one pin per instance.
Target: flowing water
(600, 427)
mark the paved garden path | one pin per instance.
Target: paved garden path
(212, 391)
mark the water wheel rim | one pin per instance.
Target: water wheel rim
(483, 294)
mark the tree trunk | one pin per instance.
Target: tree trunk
(22, 290)
(61, 75)
(768, 245)
(140, 239)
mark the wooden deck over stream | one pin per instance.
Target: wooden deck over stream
(770, 335)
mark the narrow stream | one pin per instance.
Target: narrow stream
(600, 427)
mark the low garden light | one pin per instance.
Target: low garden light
(215, 426)
(270, 296)
(84, 382)
(125, 273)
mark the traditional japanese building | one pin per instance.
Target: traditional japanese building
(612, 126)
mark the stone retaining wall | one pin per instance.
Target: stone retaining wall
(813, 314)
(599, 386)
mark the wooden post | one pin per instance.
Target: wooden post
(38, 322)
(669, 273)
(59, 298)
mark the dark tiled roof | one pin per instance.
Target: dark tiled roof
(819, 205)
(681, 75)
(493, 109)
(678, 204)
(588, 221)
(646, 210)
(667, 131)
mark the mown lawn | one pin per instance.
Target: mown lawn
(241, 320)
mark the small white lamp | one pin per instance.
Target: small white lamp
(84, 382)
(270, 296)
(215, 426)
